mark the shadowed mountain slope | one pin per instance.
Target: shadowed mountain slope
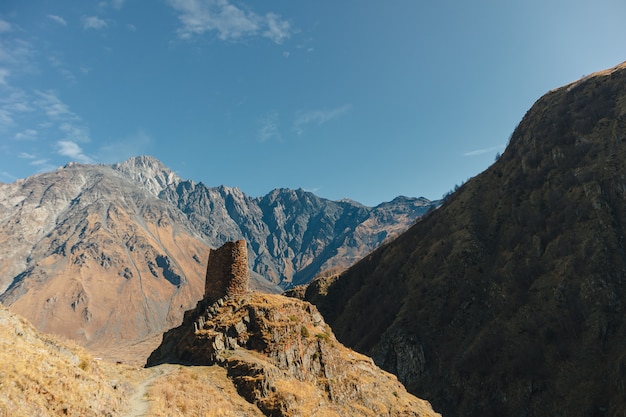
(509, 299)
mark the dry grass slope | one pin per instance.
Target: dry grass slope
(41, 376)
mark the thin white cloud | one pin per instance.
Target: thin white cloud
(135, 144)
(42, 164)
(117, 4)
(26, 155)
(269, 127)
(4, 26)
(39, 162)
(57, 19)
(11, 106)
(28, 134)
(4, 74)
(17, 53)
(54, 108)
(6, 118)
(75, 133)
(93, 22)
(56, 63)
(276, 29)
(6, 176)
(318, 117)
(74, 151)
(483, 151)
(229, 21)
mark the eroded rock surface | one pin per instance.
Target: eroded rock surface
(284, 358)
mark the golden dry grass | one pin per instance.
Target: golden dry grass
(203, 391)
(41, 376)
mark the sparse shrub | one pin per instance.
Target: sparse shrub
(84, 364)
(304, 331)
(323, 336)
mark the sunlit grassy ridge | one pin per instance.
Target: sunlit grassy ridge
(41, 376)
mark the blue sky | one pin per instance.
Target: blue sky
(355, 99)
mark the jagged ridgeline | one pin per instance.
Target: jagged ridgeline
(278, 351)
(510, 299)
(113, 254)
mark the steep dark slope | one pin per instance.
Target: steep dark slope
(509, 299)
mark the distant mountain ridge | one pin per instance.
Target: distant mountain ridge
(102, 253)
(286, 229)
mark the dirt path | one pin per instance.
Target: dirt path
(138, 404)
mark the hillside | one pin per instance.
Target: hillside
(112, 255)
(509, 299)
(283, 358)
(41, 376)
(244, 354)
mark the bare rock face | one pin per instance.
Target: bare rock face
(227, 271)
(284, 358)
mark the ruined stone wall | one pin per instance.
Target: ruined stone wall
(227, 271)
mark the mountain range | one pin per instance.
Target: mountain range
(509, 299)
(114, 254)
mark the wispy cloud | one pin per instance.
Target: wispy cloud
(135, 144)
(483, 151)
(74, 151)
(276, 29)
(53, 106)
(318, 117)
(56, 63)
(42, 164)
(4, 26)
(229, 21)
(16, 53)
(75, 132)
(26, 155)
(117, 4)
(27, 134)
(7, 176)
(269, 127)
(93, 22)
(4, 74)
(11, 106)
(57, 19)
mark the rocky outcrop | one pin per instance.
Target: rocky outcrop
(227, 272)
(509, 299)
(284, 358)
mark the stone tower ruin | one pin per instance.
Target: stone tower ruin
(227, 271)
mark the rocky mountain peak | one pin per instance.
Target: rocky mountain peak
(151, 173)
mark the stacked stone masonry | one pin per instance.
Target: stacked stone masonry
(227, 271)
